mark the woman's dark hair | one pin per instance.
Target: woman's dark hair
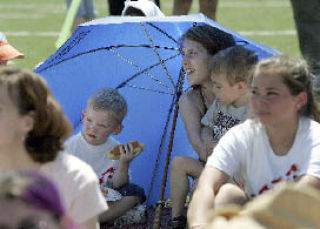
(211, 38)
(30, 93)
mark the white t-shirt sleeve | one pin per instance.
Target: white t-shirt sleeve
(228, 155)
(88, 202)
(78, 186)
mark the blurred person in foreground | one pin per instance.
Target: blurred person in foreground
(30, 200)
(32, 130)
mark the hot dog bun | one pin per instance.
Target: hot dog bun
(114, 154)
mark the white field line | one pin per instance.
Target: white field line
(30, 34)
(254, 4)
(244, 33)
(21, 16)
(235, 4)
(269, 33)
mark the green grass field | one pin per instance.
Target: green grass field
(33, 25)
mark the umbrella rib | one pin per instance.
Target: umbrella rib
(163, 32)
(157, 53)
(149, 89)
(174, 102)
(124, 83)
(164, 134)
(102, 48)
(139, 68)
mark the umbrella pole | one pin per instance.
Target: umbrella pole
(158, 212)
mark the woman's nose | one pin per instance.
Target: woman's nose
(261, 100)
(185, 61)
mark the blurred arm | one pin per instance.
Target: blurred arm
(191, 116)
(310, 181)
(90, 224)
(210, 181)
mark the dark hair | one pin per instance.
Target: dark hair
(211, 38)
(30, 93)
(235, 62)
(296, 76)
(132, 11)
(32, 188)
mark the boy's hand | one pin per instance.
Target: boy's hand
(127, 152)
(115, 153)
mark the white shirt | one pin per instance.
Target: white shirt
(245, 152)
(78, 187)
(96, 156)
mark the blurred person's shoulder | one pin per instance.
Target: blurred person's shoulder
(67, 166)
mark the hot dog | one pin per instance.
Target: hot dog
(114, 154)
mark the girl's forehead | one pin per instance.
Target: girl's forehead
(267, 80)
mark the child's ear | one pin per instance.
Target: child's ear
(117, 130)
(83, 115)
(29, 121)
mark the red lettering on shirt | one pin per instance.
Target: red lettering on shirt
(263, 189)
(110, 173)
(276, 180)
(292, 171)
(293, 168)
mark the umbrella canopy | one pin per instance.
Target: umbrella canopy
(139, 56)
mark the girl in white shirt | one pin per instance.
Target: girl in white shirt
(281, 142)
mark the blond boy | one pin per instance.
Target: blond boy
(230, 72)
(103, 117)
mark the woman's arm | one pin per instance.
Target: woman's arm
(190, 111)
(207, 139)
(210, 181)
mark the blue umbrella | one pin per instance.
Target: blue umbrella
(141, 57)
